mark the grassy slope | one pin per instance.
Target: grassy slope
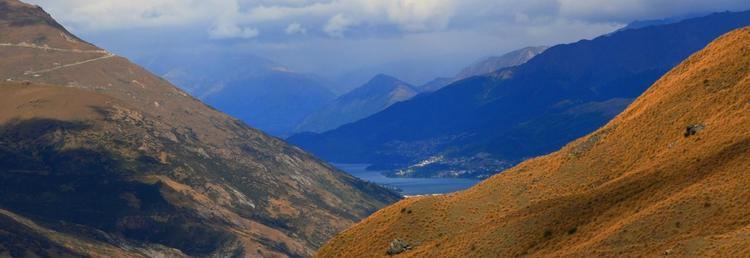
(637, 186)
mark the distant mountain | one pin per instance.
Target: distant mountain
(522, 112)
(667, 177)
(486, 66)
(495, 63)
(436, 84)
(258, 91)
(377, 94)
(657, 22)
(383, 91)
(100, 158)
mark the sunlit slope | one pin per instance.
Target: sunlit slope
(667, 176)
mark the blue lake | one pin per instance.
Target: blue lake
(409, 186)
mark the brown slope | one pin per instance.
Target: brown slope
(222, 187)
(636, 187)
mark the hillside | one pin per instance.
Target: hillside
(379, 93)
(668, 176)
(523, 112)
(100, 157)
(264, 94)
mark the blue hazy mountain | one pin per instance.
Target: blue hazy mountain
(482, 124)
(376, 95)
(258, 91)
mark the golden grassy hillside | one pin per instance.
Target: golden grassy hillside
(667, 176)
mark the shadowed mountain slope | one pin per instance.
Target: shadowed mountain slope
(100, 157)
(668, 176)
(522, 112)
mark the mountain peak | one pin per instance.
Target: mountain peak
(379, 93)
(381, 82)
(28, 24)
(492, 64)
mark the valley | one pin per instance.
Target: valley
(396, 128)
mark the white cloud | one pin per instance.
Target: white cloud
(231, 30)
(295, 28)
(628, 10)
(92, 15)
(337, 25)
(421, 15)
(335, 17)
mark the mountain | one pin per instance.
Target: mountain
(486, 66)
(667, 177)
(492, 64)
(260, 92)
(99, 157)
(656, 22)
(379, 93)
(383, 91)
(480, 125)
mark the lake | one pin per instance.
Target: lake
(409, 186)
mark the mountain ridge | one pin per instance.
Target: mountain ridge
(665, 177)
(377, 94)
(486, 66)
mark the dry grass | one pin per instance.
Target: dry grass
(636, 187)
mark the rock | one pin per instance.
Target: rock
(694, 129)
(398, 246)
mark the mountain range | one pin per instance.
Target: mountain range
(666, 177)
(479, 126)
(377, 94)
(382, 91)
(99, 157)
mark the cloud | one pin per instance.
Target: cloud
(336, 17)
(350, 34)
(420, 15)
(295, 28)
(337, 25)
(231, 31)
(91, 15)
(629, 10)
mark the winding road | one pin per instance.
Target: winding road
(48, 48)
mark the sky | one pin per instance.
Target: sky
(413, 39)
